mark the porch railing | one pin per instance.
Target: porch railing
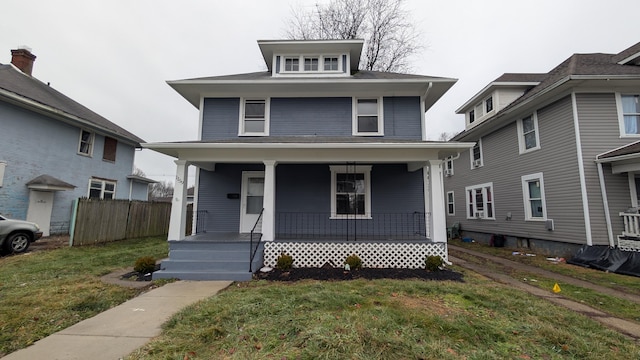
(631, 225)
(374, 226)
(256, 232)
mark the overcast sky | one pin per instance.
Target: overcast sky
(114, 56)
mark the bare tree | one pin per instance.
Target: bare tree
(391, 39)
(445, 136)
(161, 189)
(138, 172)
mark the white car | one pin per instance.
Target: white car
(17, 235)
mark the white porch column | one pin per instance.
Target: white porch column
(178, 222)
(269, 201)
(438, 208)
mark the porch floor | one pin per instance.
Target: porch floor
(242, 237)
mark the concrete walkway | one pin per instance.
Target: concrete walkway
(117, 332)
(623, 326)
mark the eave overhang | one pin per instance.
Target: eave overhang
(304, 152)
(433, 88)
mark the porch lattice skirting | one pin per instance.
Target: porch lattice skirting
(628, 245)
(372, 254)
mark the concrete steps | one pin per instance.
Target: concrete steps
(209, 260)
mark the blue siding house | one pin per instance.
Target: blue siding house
(54, 150)
(313, 158)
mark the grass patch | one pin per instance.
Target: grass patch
(381, 319)
(612, 305)
(47, 291)
(625, 283)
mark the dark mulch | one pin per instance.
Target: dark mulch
(296, 274)
(138, 276)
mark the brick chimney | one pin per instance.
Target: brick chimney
(23, 59)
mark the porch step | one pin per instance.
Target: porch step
(209, 260)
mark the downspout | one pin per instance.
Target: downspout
(423, 110)
(605, 203)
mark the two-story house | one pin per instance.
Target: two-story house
(314, 157)
(54, 150)
(555, 164)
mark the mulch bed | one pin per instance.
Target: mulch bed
(296, 274)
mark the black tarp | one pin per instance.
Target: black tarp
(608, 259)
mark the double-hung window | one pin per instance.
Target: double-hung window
(630, 115)
(528, 138)
(480, 201)
(367, 119)
(102, 189)
(350, 191)
(476, 155)
(85, 145)
(448, 166)
(533, 195)
(254, 119)
(451, 209)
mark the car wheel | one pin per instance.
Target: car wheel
(18, 243)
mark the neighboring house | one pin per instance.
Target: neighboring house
(556, 161)
(317, 158)
(54, 150)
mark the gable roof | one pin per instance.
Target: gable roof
(29, 92)
(596, 66)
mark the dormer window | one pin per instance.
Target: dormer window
(472, 116)
(488, 105)
(310, 64)
(317, 64)
(291, 64)
(331, 63)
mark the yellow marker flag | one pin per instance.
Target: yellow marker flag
(556, 288)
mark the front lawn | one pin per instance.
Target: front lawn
(46, 291)
(382, 319)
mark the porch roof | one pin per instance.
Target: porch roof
(623, 159)
(310, 149)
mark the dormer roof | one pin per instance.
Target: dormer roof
(503, 81)
(351, 46)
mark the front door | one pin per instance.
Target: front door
(251, 202)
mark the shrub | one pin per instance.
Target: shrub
(145, 264)
(354, 262)
(433, 263)
(285, 262)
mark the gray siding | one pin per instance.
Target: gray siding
(55, 155)
(504, 166)
(220, 118)
(402, 119)
(305, 189)
(599, 132)
(312, 117)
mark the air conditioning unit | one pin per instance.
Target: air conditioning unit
(448, 172)
(479, 214)
(477, 163)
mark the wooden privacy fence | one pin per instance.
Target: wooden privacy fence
(99, 221)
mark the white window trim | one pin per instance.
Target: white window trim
(267, 112)
(493, 104)
(453, 203)
(525, 197)
(484, 197)
(302, 71)
(104, 182)
(471, 159)
(521, 141)
(353, 169)
(621, 126)
(93, 140)
(354, 111)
